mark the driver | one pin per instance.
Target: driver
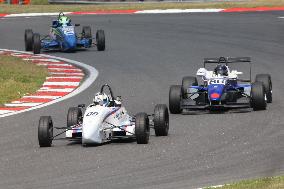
(101, 99)
(221, 70)
(64, 21)
(61, 21)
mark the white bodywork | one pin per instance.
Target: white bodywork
(100, 124)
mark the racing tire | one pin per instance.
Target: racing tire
(45, 131)
(74, 116)
(36, 43)
(258, 101)
(29, 40)
(100, 39)
(87, 33)
(186, 83)
(161, 120)
(142, 128)
(267, 83)
(175, 96)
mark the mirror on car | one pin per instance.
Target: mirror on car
(77, 24)
(81, 106)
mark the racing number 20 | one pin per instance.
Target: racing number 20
(92, 113)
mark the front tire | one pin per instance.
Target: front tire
(267, 83)
(29, 40)
(161, 120)
(186, 83)
(258, 101)
(142, 128)
(175, 97)
(74, 116)
(100, 38)
(45, 131)
(87, 33)
(36, 43)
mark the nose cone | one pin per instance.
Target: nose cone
(215, 92)
(71, 42)
(91, 134)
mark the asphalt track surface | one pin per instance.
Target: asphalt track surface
(146, 54)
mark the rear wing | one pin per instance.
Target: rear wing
(228, 60)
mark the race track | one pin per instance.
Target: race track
(145, 55)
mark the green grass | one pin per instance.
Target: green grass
(18, 77)
(263, 183)
(41, 6)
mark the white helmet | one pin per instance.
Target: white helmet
(101, 99)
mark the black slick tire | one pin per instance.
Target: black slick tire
(45, 131)
(29, 40)
(175, 96)
(186, 83)
(258, 101)
(161, 120)
(142, 128)
(36, 43)
(87, 33)
(100, 39)
(267, 83)
(74, 116)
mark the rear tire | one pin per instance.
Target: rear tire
(258, 101)
(45, 131)
(161, 120)
(87, 33)
(267, 83)
(142, 128)
(186, 83)
(36, 43)
(29, 40)
(74, 116)
(175, 99)
(100, 38)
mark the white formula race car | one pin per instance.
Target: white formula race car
(103, 121)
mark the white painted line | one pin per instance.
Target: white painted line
(34, 14)
(49, 97)
(25, 55)
(42, 59)
(166, 11)
(66, 77)
(52, 64)
(66, 73)
(65, 69)
(5, 111)
(93, 74)
(47, 89)
(62, 83)
(21, 104)
(280, 17)
(216, 186)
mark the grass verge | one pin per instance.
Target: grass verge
(263, 183)
(42, 6)
(18, 77)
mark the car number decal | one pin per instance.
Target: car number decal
(92, 114)
(218, 81)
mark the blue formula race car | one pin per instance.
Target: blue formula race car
(62, 36)
(221, 89)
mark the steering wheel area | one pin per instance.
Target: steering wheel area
(61, 14)
(109, 89)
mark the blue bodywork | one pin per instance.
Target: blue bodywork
(64, 38)
(217, 93)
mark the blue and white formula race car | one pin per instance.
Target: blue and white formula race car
(62, 36)
(105, 120)
(221, 89)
